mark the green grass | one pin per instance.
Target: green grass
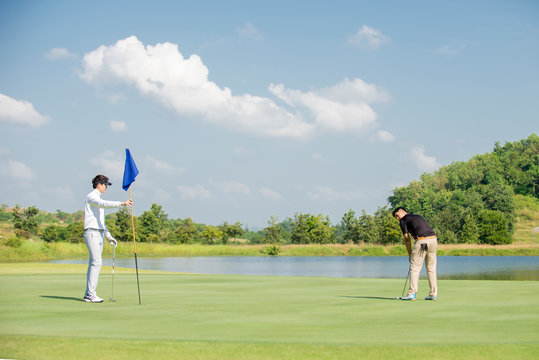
(260, 317)
(527, 219)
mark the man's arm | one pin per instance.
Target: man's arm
(408, 243)
(95, 200)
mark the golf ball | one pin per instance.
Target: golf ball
(397, 297)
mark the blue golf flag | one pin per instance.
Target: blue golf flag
(130, 170)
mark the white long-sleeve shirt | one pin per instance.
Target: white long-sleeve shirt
(94, 212)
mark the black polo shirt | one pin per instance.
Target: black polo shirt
(416, 226)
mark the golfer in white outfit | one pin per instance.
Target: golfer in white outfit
(95, 231)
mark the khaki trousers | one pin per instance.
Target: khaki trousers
(429, 256)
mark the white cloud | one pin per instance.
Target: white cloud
(327, 193)
(17, 170)
(317, 157)
(163, 73)
(194, 192)
(271, 194)
(368, 37)
(249, 31)
(163, 167)
(109, 164)
(231, 187)
(422, 161)
(59, 54)
(119, 126)
(385, 136)
(340, 108)
(19, 112)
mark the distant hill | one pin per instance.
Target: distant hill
(474, 201)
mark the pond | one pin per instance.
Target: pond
(449, 267)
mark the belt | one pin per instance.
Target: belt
(426, 237)
(92, 229)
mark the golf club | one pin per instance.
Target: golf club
(113, 259)
(404, 288)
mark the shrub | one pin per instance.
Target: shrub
(272, 250)
(14, 242)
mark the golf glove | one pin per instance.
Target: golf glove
(112, 240)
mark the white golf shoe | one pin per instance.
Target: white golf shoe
(92, 298)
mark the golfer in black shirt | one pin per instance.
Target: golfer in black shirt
(425, 245)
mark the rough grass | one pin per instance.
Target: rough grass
(261, 317)
(527, 220)
(37, 250)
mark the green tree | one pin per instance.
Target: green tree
(24, 221)
(300, 229)
(62, 216)
(124, 227)
(350, 228)
(186, 231)
(493, 228)
(4, 214)
(230, 231)
(211, 234)
(152, 223)
(470, 230)
(273, 232)
(54, 233)
(368, 232)
(388, 228)
(309, 229)
(74, 232)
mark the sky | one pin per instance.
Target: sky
(244, 110)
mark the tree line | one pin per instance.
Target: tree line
(465, 202)
(473, 201)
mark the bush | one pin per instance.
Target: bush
(14, 242)
(53, 233)
(493, 228)
(272, 250)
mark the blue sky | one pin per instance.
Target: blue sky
(243, 110)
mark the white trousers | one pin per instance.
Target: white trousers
(94, 240)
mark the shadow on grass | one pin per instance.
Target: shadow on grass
(369, 297)
(62, 297)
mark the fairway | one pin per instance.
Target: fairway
(259, 317)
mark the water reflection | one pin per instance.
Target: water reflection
(449, 267)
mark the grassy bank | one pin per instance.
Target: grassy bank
(31, 250)
(260, 317)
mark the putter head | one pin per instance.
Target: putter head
(112, 300)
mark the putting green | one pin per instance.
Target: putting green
(260, 316)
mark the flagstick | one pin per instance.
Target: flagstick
(135, 246)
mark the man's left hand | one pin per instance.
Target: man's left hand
(113, 241)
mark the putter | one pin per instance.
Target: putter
(404, 288)
(113, 258)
